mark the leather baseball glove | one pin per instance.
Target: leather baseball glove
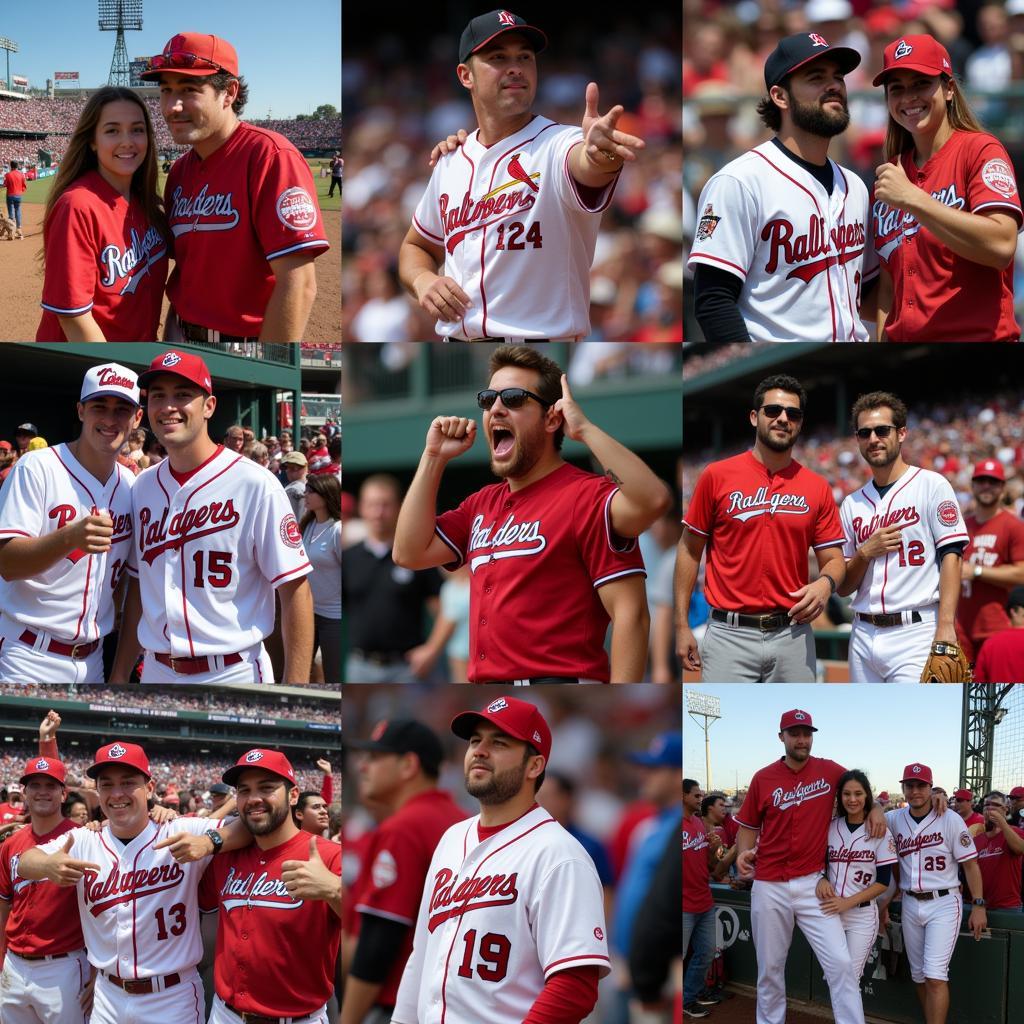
(947, 663)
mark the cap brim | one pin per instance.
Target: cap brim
(94, 770)
(464, 723)
(540, 40)
(908, 66)
(115, 394)
(846, 57)
(188, 72)
(145, 378)
(231, 775)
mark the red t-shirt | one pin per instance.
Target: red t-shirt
(1002, 658)
(14, 182)
(696, 873)
(759, 527)
(981, 610)
(8, 812)
(792, 810)
(938, 295)
(1000, 870)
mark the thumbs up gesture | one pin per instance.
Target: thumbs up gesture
(63, 869)
(606, 148)
(310, 879)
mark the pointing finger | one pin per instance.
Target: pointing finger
(592, 98)
(169, 841)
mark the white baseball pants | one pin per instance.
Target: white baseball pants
(22, 663)
(930, 930)
(220, 1014)
(183, 1003)
(891, 654)
(774, 908)
(43, 991)
(861, 927)
(255, 667)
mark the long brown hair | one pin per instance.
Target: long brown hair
(328, 486)
(80, 158)
(959, 114)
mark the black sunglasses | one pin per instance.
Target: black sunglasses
(883, 431)
(794, 414)
(511, 398)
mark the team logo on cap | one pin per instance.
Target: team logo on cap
(799, 716)
(253, 756)
(598, 934)
(171, 359)
(536, 736)
(999, 177)
(818, 40)
(296, 210)
(903, 50)
(116, 751)
(289, 531)
(948, 513)
(497, 705)
(504, 18)
(42, 765)
(916, 769)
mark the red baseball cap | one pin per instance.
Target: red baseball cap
(919, 53)
(963, 794)
(183, 364)
(130, 754)
(917, 773)
(48, 766)
(796, 719)
(884, 795)
(516, 717)
(5, 445)
(272, 761)
(193, 53)
(989, 467)
(1017, 792)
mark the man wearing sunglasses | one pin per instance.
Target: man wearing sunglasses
(904, 538)
(241, 204)
(761, 512)
(552, 549)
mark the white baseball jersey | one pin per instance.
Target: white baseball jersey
(802, 255)
(853, 857)
(518, 233)
(73, 599)
(930, 850)
(140, 914)
(209, 553)
(498, 917)
(924, 505)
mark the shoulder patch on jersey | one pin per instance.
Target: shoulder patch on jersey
(892, 844)
(948, 513)
(384, 870)
(708, 223)
(965, 839)
(289, 531)
(998, 176)
(296, 209)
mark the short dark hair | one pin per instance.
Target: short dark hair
(779, 382)
(854, 775)
(709, 801)
(1015, 598)
(549, 387)
(300, 805)
(995, 792)
(769, 111)
(689, 785)
(220, 82)
(876, 400)
(15, 165)
(532, 751)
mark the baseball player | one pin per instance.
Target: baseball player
(1000, 847)
(787, 813)
(758, 514)
(517, 206)
(782, 251)
(65, 536)
(241, 205)
(399, 771)
(214, 537)
(930, 846)
(946, 209)
(551, 537)
(904, 538)
(859, 868)
(136, 899)
(485, 913)
(993, 561)
(278, 896)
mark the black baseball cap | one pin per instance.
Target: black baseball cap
(484, 27)
(404, 736)
(795, 51)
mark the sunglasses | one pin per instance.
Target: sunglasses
(793, 414)
(511, 398)
(180, 60)
(883, 431)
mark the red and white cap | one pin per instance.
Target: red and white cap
(1017, 792)
(184, 364)
(48, 766)
(919, 53)
(917, 773)
(989, 467)
(111, 379)
(118, 753)
(963, 794)
(517, 718)
(272, 761)
(796, 719)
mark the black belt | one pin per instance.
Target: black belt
(767, 623)
(896, 619)
(932, 894)
(258, 1018)
(866, 903)
(531, 682)
(379, 657)
(193, 332)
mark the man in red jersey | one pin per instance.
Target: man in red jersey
(1000, 855)
(699, 857)
(963, 804)
(758, 514)
(1002, 657)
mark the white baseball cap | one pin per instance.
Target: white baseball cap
(111, 379)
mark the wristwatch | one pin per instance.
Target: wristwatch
(977, 571)
(216, 838)
(977, 903)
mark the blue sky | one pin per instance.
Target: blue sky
(290, 54)
(879, 729)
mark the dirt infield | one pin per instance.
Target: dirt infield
(21, 282)
(741, 1008)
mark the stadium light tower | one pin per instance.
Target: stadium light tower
(120, 16)
(702, 705)
(11, 47)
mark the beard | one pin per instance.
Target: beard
(774, 442)
(815, 119)
(497, 787)
(886, 458)
(525, 455)
(988, 498)
(274, 819)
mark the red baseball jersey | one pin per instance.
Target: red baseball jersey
(261, 928)
(44, 917)
(759, 527)
(232, 214)
(793, 811)
(8, 812)
(391, 885)
(981, 610)
(1000, 870)
(103, 257)
(15, 183)
(1002, 658)
(975, 823)
(538, 557)
(938, 295)
(696, 873)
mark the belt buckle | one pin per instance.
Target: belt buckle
(75, 656)
(130, 985)
(174, 668)
(764, 622)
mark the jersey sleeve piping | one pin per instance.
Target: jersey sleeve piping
(690, 526)
(429, 235)
(628, 543)
(576, 961)
(14, 533)
(830, 543)
(455, 551)
(67, 312)
(1015, 210)
(316, 243)
(601, 581)
(717, 261)
(277, 580)
(753, 828)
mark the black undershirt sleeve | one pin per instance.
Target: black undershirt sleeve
(883, 873)
(380, 942)
(957, 547)
(715, 296)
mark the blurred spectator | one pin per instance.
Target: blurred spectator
(293, 465)
(258, 453)
(234, 439)
(1002, 656)
(455, 610)
(989, 67)
(320, 527)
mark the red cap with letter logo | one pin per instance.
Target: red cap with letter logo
(193, 53)
(48, 766)
(518, 718)
(917, 773)
(1017, 792)
(989, 467)
(130, 754)
(919, 53)
(796, 719)
(963, 794)
(184, 364)
(272, 761)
